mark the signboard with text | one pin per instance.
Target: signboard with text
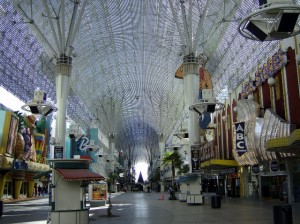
(240, 138)
(195, 158)
(58, 152)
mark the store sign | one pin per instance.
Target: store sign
(84, 141)
(195, 160)
(58, 152)
(228, 170)
(274, 166)
(255, 169)
(206, 152)
(240, 138)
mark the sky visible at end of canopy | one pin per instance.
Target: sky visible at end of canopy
(141, 167)
(10, 101)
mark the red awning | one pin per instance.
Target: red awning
(78, 174)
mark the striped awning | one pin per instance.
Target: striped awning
(78, 175)
(218, 164)
(289, 144)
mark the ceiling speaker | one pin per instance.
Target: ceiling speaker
(287, 22)
(262, 2)
(211, 108)
(34, 109)
(256, 31)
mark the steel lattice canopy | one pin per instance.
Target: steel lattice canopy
(124, 56)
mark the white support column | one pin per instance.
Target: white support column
(111, 152)
(191, 91)
(111, 159)
(162, 152)
(62, 82)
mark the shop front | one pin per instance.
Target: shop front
(291, 181)
(221, 177)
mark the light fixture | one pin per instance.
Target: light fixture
(271, 81)
(182, 134)
(274, 20)
(250, 96)
(206, 106)
(39, 105)
(207, 103)
(174, 147)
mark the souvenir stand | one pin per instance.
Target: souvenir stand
(70, 177)
(194, 189)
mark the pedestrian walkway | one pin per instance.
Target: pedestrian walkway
(148, 208)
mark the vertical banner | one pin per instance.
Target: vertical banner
(195, 158)
(240, 138)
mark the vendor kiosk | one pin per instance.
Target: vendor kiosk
(194, 189)
(70, 177)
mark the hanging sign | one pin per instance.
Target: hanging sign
(195, 159)
(240, 138)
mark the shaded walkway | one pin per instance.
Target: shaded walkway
(147, 208)
(143, 208)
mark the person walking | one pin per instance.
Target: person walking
(39, 190)
(172, 193)
(35, 189)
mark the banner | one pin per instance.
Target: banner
(240, 138)
(195, 158)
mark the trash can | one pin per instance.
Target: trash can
(282, 214)
(216, 201)
(1, 208)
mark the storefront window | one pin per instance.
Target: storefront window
(7, 190)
